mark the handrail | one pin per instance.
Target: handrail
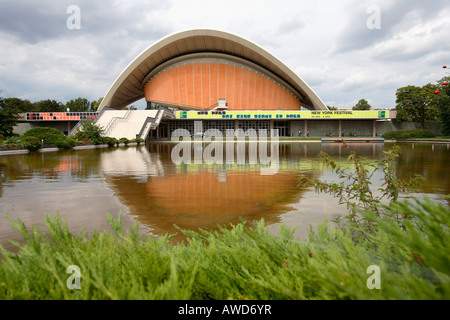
(159, 115)
(147, 121)
(101, 112)
(112, 122)
(77, 126)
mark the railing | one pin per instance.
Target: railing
(114, 121)
(213, 106)
(80, 123)
(77, 126)
(101, 112)
(154, 120)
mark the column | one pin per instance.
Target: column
(374, 128)
(306, 128)
(168, 130)
(340, 128)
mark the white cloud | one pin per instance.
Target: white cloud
(326, 42)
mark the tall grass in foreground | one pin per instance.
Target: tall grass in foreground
(245, 262)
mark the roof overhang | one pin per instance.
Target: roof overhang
(129, 86)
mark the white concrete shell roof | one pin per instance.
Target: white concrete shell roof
(129, 86)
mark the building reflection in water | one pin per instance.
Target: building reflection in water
(162, 194)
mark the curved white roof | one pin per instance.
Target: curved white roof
(129, 86)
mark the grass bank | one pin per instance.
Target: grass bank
(242, 262)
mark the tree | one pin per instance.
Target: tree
(8, 118)
(362, 104)
(417, 104)
(90, 131)
(332, 108)
(79, 105)
(96, 104)
(49, 106)
(443, 103)
(20, 105)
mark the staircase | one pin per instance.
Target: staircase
(132, 124)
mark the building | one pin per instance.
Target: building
(202, 80)
(227, 82)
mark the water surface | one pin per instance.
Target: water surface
(144, 184)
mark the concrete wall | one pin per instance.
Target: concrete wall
(387, 126)
(23, 127)
(358, 128)
(323, 128)
(63, 126)
(362, 128)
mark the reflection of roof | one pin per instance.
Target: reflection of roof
(129, 86)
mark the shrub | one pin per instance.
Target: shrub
(49, 135)
(111, 142)
(30, 143)
(12, 142)
(408, 134)
(90, 131)
(66, 143)
(98, 140)
(139, 141)
(124, 140)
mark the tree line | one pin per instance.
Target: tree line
(426, 104)
(11, 107)
(75, 105)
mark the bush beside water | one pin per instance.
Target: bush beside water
(408, 134)
(48, 135)
(89, 134)
(30, 143)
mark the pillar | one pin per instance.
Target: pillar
(306, 128)
(374, 128)
(340, 128)
(168, 130)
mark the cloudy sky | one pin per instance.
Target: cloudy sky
(340, 48)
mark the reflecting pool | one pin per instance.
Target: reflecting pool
(144, 184)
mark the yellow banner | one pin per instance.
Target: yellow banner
(278, 115)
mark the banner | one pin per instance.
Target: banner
(286, 115)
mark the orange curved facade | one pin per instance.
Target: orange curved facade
(202, 84)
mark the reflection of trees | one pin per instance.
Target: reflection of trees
(78, 164)
(430, 161)
(335, 150)
(2, 177)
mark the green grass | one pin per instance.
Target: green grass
(242, 262)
